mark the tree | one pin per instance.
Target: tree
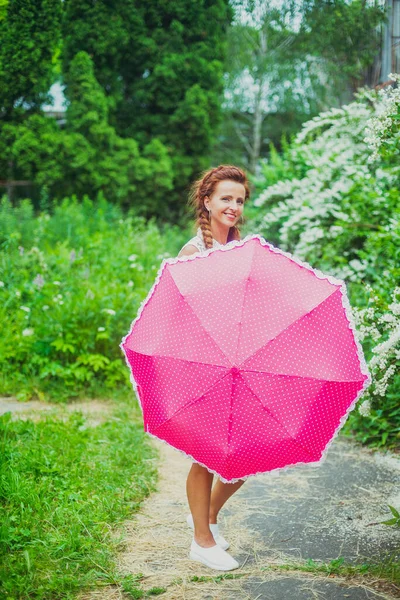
(87, 157)
(161, 66)
(268, 87)
(29, 37)
(345, 36)
(286, 63)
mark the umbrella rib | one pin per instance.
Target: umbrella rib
(190, 402)
(244, 300)
(200, 323)
(229, 430)
(290, 324)
(271, 414)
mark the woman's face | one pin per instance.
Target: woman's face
(226, 203)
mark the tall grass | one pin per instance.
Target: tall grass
(63, 484)
(71, 281)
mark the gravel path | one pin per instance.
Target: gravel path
(322, 513)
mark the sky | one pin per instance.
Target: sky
(56, 91)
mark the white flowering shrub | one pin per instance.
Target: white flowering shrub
(336, 205)
(382, 130)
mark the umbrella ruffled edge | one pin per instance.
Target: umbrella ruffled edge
(301, 263)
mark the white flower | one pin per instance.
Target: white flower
(38, 281)
(89, 294)
(365, 408)
(357, 265)
(101, 329)
(386, 346)
(45, 307)
(387, 318)
(18, 293)
(1, 283)
(28, 331)
(132, 257)
(395, 308)
(130, 283)
(109, 311)
(57, 282)
(25, 308)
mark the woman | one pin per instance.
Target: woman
(218, 198)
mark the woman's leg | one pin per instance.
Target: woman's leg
(198, 488)
(220, 494)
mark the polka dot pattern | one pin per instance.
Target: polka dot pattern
(244, 359)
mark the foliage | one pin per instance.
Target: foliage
(338, 210)
(345, 36)
(62, 484)
(144, 86)
(71, 281)
(29, 36)
(395, 521)
(87, 156)
(160, 66)
(111, 163)
(286, 63)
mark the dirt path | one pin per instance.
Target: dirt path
(158, 539)
(96, 411)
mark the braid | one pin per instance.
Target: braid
(205, 186)
(205, 225)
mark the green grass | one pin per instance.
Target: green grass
(387, 569)
(63, 485)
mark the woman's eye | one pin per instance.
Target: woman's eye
(228, 199)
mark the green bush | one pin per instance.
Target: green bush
(71, 281)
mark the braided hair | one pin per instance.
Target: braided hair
(205, 186)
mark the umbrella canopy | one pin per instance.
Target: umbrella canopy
(245, 359)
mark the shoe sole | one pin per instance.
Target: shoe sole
(198, 558)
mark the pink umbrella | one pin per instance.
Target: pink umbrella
(245, 359)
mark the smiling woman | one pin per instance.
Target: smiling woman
(218, 199)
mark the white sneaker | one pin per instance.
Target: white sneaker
(221, 541)
(213, 557)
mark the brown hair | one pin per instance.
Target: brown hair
(205, 186)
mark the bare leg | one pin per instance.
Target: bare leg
(220, 494)
(198, 488)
